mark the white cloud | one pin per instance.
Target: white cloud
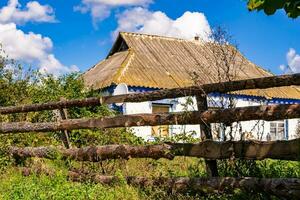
(19, 45)
(33, 12)
(142, 20)
(293, 62)
(31, 48)
(51, 65)
(100, 9)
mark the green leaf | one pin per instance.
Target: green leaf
(291, 7)
(255, 4)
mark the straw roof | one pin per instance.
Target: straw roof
(162, 62)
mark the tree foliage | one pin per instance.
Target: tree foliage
(19, 86)
(291, 7)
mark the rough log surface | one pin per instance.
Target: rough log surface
(281, 187)
(250, 150)
(63, 115)
(93, 101)
(205, 131)
(268, 113)
(257, 83)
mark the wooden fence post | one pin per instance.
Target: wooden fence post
(63, 115)
(205, 131)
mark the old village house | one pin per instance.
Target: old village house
(140, 62)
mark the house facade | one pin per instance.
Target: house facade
(141, 63)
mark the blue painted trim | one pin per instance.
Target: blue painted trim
(238, 96)
(110, 90)
(257, 98)
(141, 89)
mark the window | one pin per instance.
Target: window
(277, 130)
(160, 131)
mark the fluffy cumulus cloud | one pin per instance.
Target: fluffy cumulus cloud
(187, 26)
(293, 62)
(33, 11)
(101, 9)
(138, 18)
(30, 48)
(51, 65)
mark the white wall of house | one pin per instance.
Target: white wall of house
(293, 125)
(138, 108)
(256, 129)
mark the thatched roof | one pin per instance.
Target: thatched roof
(161, 62)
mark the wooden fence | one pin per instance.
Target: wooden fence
(208, 149)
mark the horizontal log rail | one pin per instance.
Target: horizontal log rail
(224, 87)
(288, 188)
(227, 116)
(250, 150)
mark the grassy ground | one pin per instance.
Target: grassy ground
(54, 185)
(13, 185)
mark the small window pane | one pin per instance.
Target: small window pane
(272, 124)
(273, 130)
(277, 130)
(280, 125)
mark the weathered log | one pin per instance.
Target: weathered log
(280, 187)
(257, 83)
(95, 153)
(37, 170)
(249, 150)
(268, 113)
(63, 115)
(205, 130)
(93, 101)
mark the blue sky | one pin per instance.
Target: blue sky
(70, 35)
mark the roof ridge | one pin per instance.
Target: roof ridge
(154, 35)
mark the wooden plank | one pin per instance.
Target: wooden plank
(224, 87)
(248, 150)
(268, 113)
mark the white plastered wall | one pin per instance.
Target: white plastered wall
(255, 129)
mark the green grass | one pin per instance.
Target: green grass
(55, 185)
(15, 186)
